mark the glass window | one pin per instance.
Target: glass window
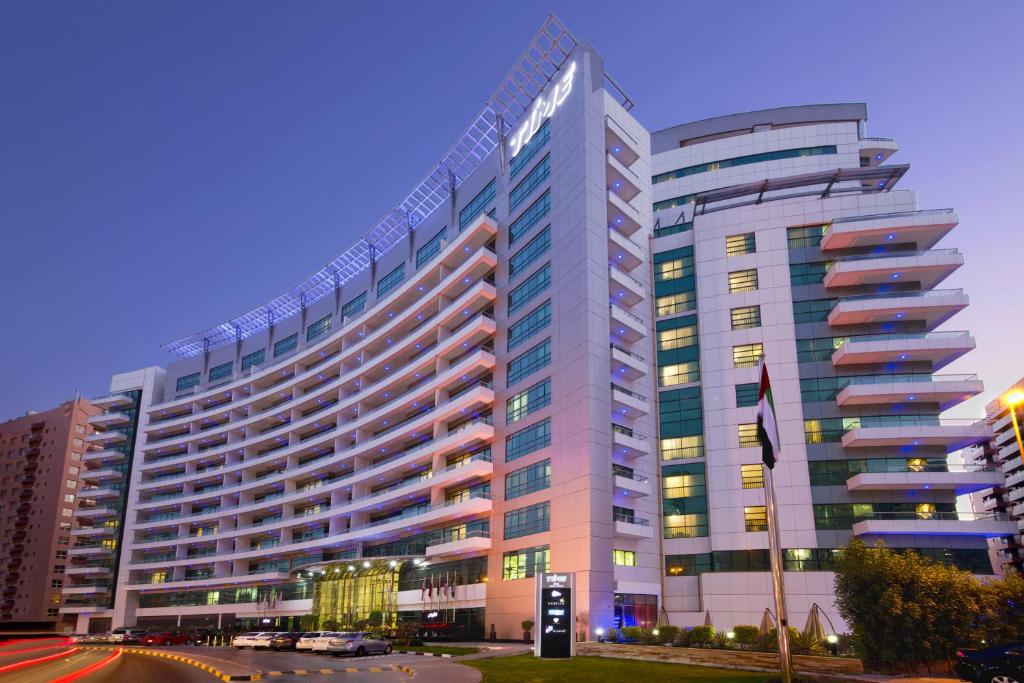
(743, 281)
(529, 520)
(686, 525)
(221, 371)
(187, 381)
(813, 311)
(431, 249)
(808, 273)
(529, 218)
(746, 395)
(354, 306)
(529, 362)
(531, 478)
(624, 558)
(390, 281)
(737, 245)
(531, 287)
(286, 345)
(675, 303)
(806, 236)
(674, 202)
(820, 349)
(752, 476)
(522, 564)
(530, 149)
(672, 229)
(676, 448)
(477, 205)
(528, 401)
(252, 359)
(318, 328)
(673, 268)
(745, 317)
(748, 435)
(754, 518)
(744, 160)
(537, 175)
(746, 355)
(677, 338)
(529, 325)
(533, 250)
(824, 430)
(684, 485)
(678, 373)
(528, 440)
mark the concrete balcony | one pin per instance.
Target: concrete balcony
(96, 513)
(1016, 496)
(633, 528)
(952, 434)
(921, 228)
(629, 443)
(106, 439)
(106, 476)
(623, 288)
(959, 480)
(622, 182)
(622, 215)
(626, 364)
(946, 390)
(928, 268)
(88, 571)
(474, 542)
(211, 581)
(104, 457)
(100, 493)
(935, 523)
(627, 403)
(634, 486)
(81, 609)
(91, 551)
(619, 143)
(85, 590)
(112, 401)
(1011, 465)
(930, 308)
(937, 348)
(94, 532)
(626, 325)
(877, 150)
(111, 419)
(624, 252)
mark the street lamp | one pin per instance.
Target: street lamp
(1012, 400)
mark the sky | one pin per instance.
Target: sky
(165, 166)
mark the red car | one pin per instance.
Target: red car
(166, 638)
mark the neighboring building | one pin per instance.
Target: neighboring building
(41, 456)
(507, 375)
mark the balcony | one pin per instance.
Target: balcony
(107, 475)
(930, 308)
(928, 268)
(95, 513)
(112, 401)
(633, 527)
(90, 551)
(624, 252)
(904, 431)
(85, 590)
(633, 485)
(923, 229)
(946, 390)
(619, 143)
(629, 443)
(106, 439)
(623, 288)
(111, 419)
(94, 531)
(627, 403)
(934, 523)
(88, 571)
(625, 325)
(937, 348)
(877, 150)
(100, 493)
(622, 182)
(472, 542)
(626, 364)
(961, 480)
(104, 457)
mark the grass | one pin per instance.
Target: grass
(529, 669)
(440, 649)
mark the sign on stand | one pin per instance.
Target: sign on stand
(556, 615)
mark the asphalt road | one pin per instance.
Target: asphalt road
(52, 669)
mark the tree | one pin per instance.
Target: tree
(1002, 619)
(308, 622)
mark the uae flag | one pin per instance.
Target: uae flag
(767, 428)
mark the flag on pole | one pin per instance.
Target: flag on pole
(767, 428)
(423, 588)
(430, 590)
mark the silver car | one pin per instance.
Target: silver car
(358, 644)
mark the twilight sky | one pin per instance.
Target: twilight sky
(166, 166)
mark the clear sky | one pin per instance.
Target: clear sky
(166, 166)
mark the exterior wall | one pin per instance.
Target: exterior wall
(42, 459)
(1003, 453)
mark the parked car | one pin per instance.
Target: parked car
(321, 641)
(284, 641)
(306, 641)
(133, 638)
(164, 638)
(358, 644)
(253, 639)
(118, 634)
(997, 664)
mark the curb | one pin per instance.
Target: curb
(194, 662)
(348, 670)
(422, 654)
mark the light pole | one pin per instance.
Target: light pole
(1012, 400)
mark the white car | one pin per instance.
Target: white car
(306, 641)
(320, 642)
(253, 639)
(118, 634)
(358, 644)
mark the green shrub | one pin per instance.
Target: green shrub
(612, 636)
(684, 638)
(667, 634)
(806, 644)
(331, 625)
(701, 635)
(720, 642)
(745, 635)
(633, 633)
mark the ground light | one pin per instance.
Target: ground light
(600, 634)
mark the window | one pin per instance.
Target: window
(73, 470)
(286, 345)
(532, 323)
(529, 218)
(746, 317)
(673, 269)
(354, 306)
(748, 435)
(676, 448)
(528, 401)
(677, 338)
(752, 476)
(674, 202)
(678, 373)
(684, 485)
(531, 478)
(822, 348)
(746, 355)
(58, 569)
(686, 525)
(754, 518)
(746, 395)
(432, 248)
(808, 273)
(69, 497)
(522, 564)
(533, 250)
(825, 430)
(804, 237)
(529, 520)
(737, 245)
(531, 287)
(743, 281)
(390, 281)
(529, 362)
(537, 175)
(530, 149)
(219, 372)
(813, 311)
(760, 157)
(675, 303)
(63, 554)
(56, 583)
(318, 328)
(672, 229)
(252, 359)
(187, 382)
(477, 205)
(528, 440)
(624, 558)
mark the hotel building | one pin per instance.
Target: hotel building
(543, 358)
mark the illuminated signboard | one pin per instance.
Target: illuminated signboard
(543, 108)
(556, 615)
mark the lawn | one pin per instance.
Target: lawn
(529, 669)
(440, 649)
